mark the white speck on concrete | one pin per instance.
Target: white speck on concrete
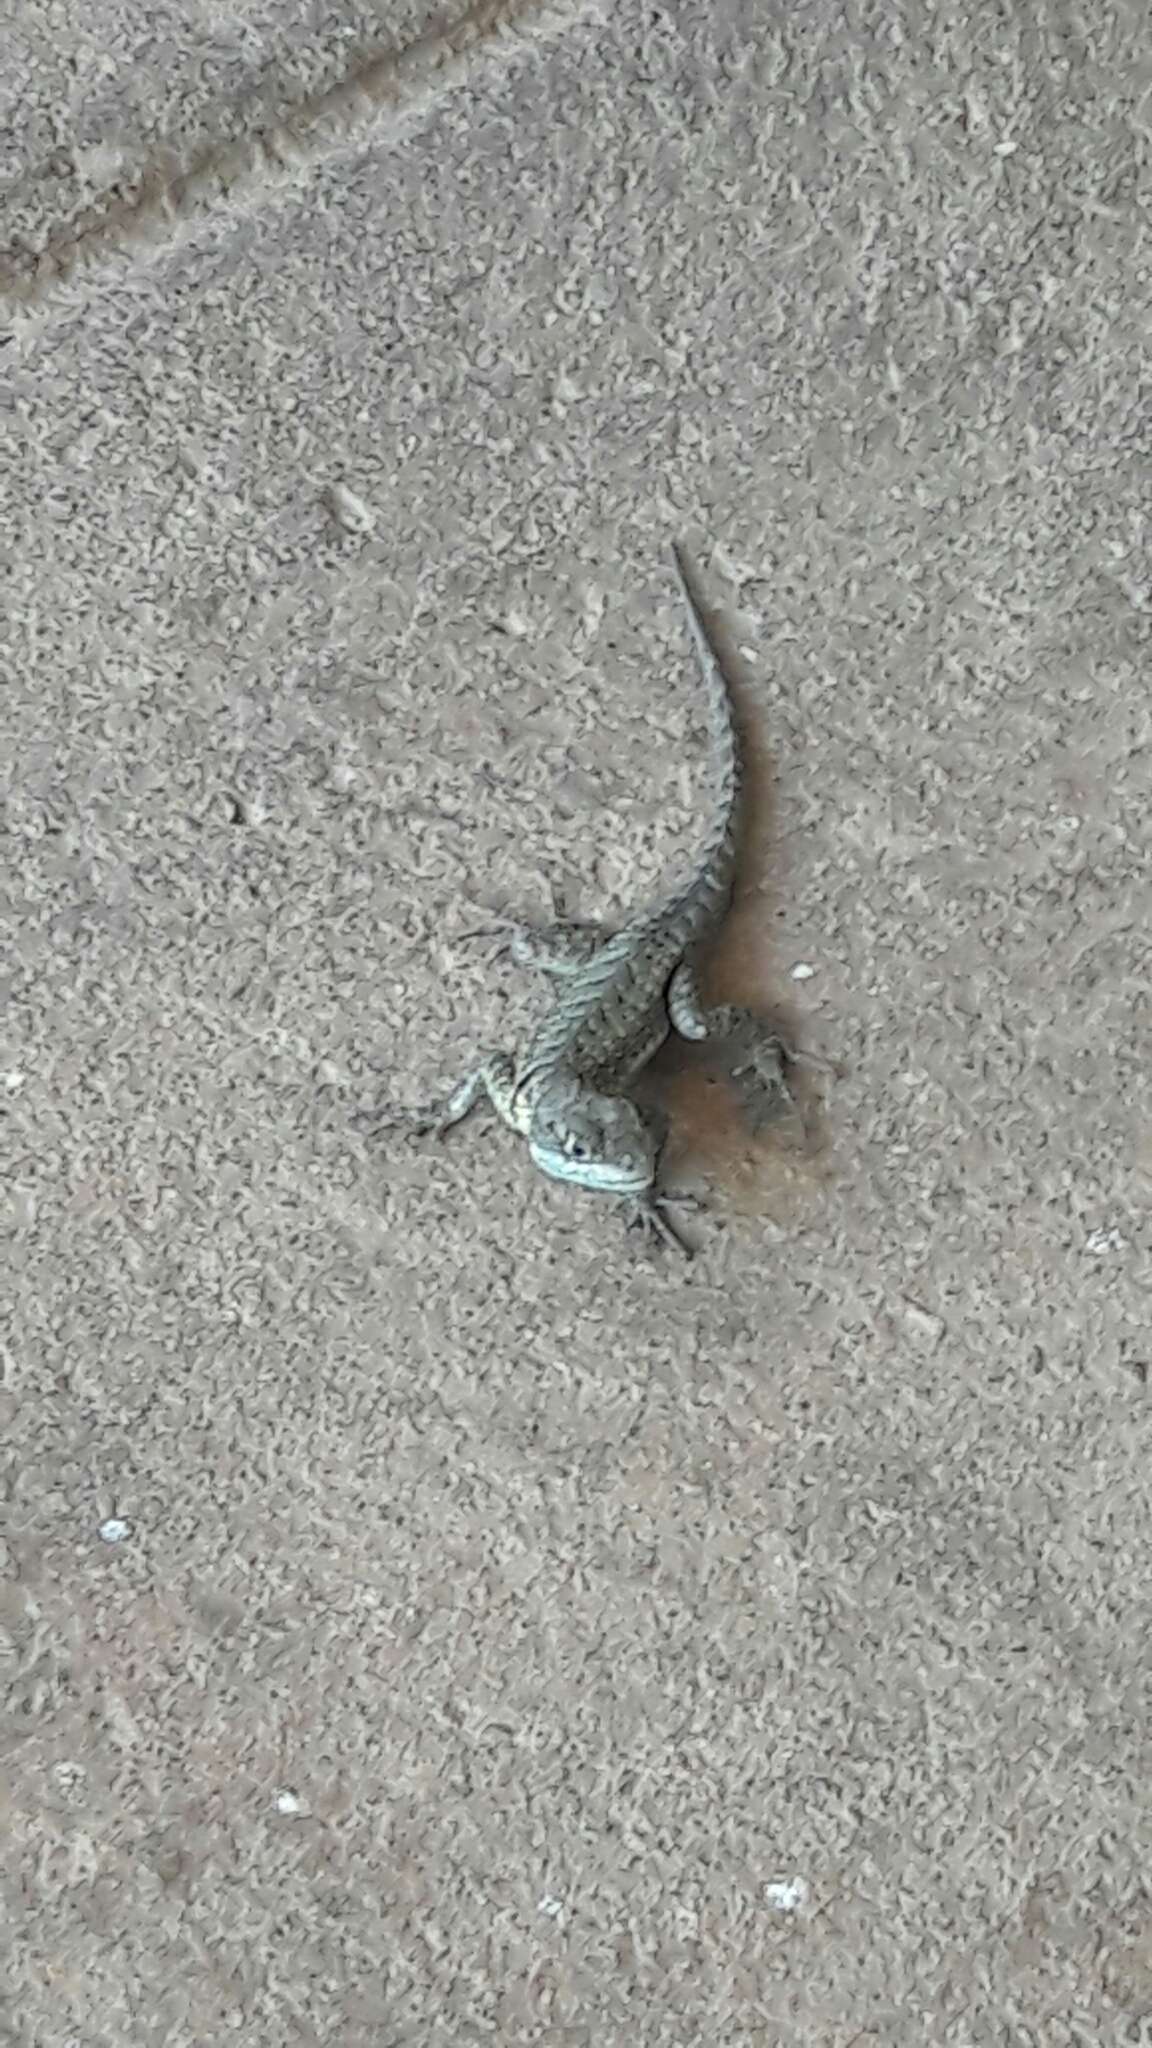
(1100, 1242)
(114, 1530)
(13, 1081)
(802, 971)
(553, 1907)
(786, 1894)
(289, 1803)
(348, 510)
(922, 1323)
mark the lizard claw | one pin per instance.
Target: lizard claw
(421, 1123)
(816, 1062)
(648, 1216)
(501, 938)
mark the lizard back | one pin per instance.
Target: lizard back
(609, 1016)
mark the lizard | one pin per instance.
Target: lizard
(618, 995)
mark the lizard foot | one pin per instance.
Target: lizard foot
(503, 931)
(762, 1086)
(428, 1121)
(816, 1062)
(649, 1215)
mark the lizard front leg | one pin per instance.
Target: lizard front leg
(762, 1057)
(648, 1213)
(494, 1078)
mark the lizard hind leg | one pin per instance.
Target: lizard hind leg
(759, 1070)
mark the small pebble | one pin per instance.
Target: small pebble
(786, 1894)
(348, 510)
(923, 1323)
(1099, 1242)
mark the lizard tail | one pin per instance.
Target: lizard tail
(718, 856)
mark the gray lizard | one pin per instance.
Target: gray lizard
(617, 997)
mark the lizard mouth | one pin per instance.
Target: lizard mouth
(603, 1176)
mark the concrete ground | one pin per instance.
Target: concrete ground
(431, 1621)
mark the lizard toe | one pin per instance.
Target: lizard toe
(648, 1217)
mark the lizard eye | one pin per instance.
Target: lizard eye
(575, 1149)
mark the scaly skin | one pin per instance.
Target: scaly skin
(617, 997)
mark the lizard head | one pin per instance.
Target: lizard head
(600, 1142)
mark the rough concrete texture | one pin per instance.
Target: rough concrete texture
(432, 1622)
(98, 105)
